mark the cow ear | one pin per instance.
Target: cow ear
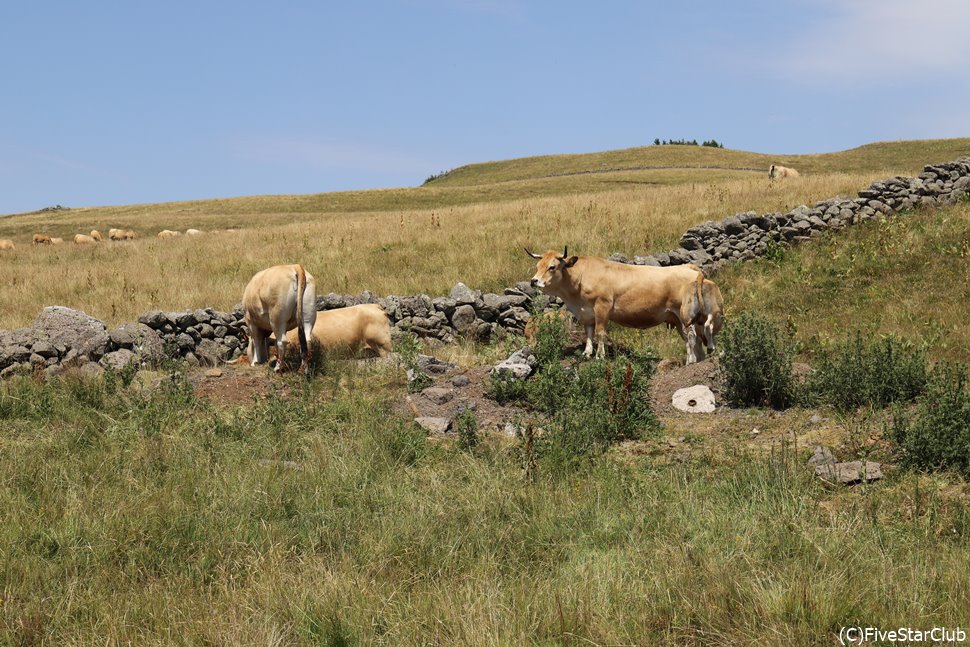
(571, 261)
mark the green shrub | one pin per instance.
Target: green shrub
(551, 337)
(867, 373)
(466, 426)
(590, 407)
(755, 363)
(937, 434)
(505, 388)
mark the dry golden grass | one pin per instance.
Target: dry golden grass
(388, 252)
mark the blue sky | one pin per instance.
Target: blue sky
(128, 102)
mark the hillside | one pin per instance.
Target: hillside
(909, 155)
(404, 241)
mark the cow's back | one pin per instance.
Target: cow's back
(639, 296)
(351, 329)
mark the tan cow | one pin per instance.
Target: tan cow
(41, 239)
(597, 291)
(84, 239)
(278, 299)
(193, 232)
(96, 235)
(7, 244)
(703, 318)
(57, 241)
(777, 172)
(363, 328)
(168, 233)
(121, 234)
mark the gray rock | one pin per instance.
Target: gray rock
(185, 320)
(73, 329)
(733, 225)
(821, 455)
(211, 353)
(119, 359)
(154, 319)
(43, 349)
(850, 473)
(185, 343)
(464, 295)
(433, 425)
(519, 364)
(460, 381)
(464, 318)
(438, 395)
(618, 258)
(646, 260)
(694, 399)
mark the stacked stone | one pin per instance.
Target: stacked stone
(61, 337)
(748, 235)
(463, 313)
(203, 336)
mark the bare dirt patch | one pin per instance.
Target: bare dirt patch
(449, 395)
(233, 384)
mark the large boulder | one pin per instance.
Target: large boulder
(68, 328)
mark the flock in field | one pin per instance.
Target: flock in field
(95, 237)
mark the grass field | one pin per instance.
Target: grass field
(145, 514)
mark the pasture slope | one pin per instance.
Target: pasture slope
(168, 507)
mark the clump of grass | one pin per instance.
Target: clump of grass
(756, 363)
(860, 372)
(937, 434)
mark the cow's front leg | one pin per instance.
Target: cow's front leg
(589, 341)
(602, 313)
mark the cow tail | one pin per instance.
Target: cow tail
(699, 289)
(300, 290)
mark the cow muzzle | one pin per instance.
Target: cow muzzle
(537, 283)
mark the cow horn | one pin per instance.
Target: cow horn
(565, 251)
(530, 253)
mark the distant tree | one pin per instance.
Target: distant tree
(656, 142)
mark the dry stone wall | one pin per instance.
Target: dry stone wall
(61, 337)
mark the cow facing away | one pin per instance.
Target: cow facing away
(776, 172)
(84, 239)
(96, 235)
(41, 239)
(356, 329)
(57, 241)
(7, 244)
(703, 316)
(193, 232)
(276, 300)
(168, 233)
(597, 291)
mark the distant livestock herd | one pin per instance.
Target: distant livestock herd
(94, 237)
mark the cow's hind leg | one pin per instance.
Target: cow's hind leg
(258, 352)
(280, 334)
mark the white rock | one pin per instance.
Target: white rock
(694, 399)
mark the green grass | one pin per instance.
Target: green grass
(906, 276)
(154, 519)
